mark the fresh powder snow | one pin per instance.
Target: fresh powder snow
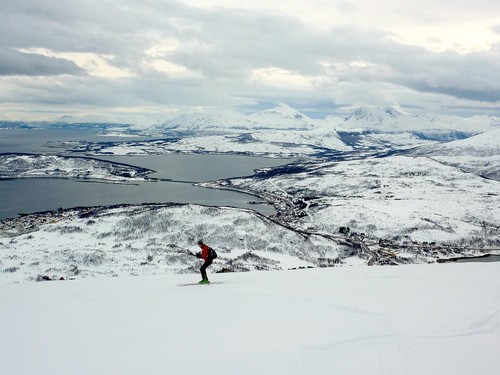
(419, 319)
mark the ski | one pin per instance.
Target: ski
(211, 282)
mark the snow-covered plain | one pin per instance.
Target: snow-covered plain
(413, 320)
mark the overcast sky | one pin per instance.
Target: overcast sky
(127, 58)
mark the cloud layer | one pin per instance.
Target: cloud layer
(144, 56)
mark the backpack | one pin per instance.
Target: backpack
(211, 253)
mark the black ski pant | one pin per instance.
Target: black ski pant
(204, 267)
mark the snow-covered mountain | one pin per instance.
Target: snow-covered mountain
(199, 120)
(284, 117)
(87, 119)
(388, 119)
(281, 118)
(479, 154)
(374, 117)
(481, 145)
(284, 131)
(388, 128)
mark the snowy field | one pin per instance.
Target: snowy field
(413, 320)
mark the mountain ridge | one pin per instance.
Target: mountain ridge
(285, 117)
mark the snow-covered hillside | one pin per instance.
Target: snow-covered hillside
(479, 154)
(283, 117)
(158, 238)
(482, 145)
(150, 239)
(53, 166)
(416, 198)
(388, 128)
(263, 143)
(389, 119)
(434, 319)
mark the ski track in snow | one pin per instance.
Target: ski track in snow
(351, 320)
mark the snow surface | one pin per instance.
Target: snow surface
(53, 166)
(391, 120)
(413, 320)
(393, 196)
(479, 154)
(485, 144)
(151, 239)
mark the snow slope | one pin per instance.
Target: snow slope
(482, 145)
(393, 196)
(388, 119)
(413, 320)
(281, 117)
(479, 154)
(151, 239)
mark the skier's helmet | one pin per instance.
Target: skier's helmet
(200, 242)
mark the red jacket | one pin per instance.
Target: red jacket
(204, 252)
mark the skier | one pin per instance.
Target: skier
(206, 254)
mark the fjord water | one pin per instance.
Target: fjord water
(178, 172)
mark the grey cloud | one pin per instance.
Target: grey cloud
(469, 76)
(224, 46)
(465, 76)
(30, 64)
(116, 28)
(72, 90)
(487, 95)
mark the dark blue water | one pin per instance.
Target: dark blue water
(35, 195)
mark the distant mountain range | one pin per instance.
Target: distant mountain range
(286, 132)
(284, 117)
(391, 120)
